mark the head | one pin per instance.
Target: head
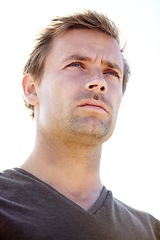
(59, 26)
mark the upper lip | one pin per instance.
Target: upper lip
(92, 102)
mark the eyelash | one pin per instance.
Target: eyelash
(109, 71)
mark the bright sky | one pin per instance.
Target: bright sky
(130, 159)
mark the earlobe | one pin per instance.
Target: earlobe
(29, 89)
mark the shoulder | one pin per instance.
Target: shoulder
(16, 182)
(8, 176)
(11, 177)
(12, 183)
(128, 215)
(16, 176)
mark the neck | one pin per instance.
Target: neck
(72, 170)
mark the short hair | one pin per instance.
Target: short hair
(87, 19)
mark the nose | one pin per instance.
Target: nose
(97, 85)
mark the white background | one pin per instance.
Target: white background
(130, 159)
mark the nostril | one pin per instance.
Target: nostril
(102, 88)
(92, 86)
(96, 87)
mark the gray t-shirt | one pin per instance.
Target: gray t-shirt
(32, 210)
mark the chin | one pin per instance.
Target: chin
(92, 133)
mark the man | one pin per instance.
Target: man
(73, 83)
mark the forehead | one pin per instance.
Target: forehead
(90, 43)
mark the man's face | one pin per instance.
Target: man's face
(81, 88)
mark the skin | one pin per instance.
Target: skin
(76, 105)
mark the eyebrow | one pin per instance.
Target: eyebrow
(112, 65)
(85, 59)
(78, 58)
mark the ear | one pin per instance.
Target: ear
(29, 89)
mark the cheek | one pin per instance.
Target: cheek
(114, 90)
(47, 102)
(117, 100)
(115, 97)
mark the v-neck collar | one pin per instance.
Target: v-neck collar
(92, 210)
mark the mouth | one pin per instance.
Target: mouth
(94, 105)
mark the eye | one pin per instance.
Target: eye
(76, 64)
(113, 73)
